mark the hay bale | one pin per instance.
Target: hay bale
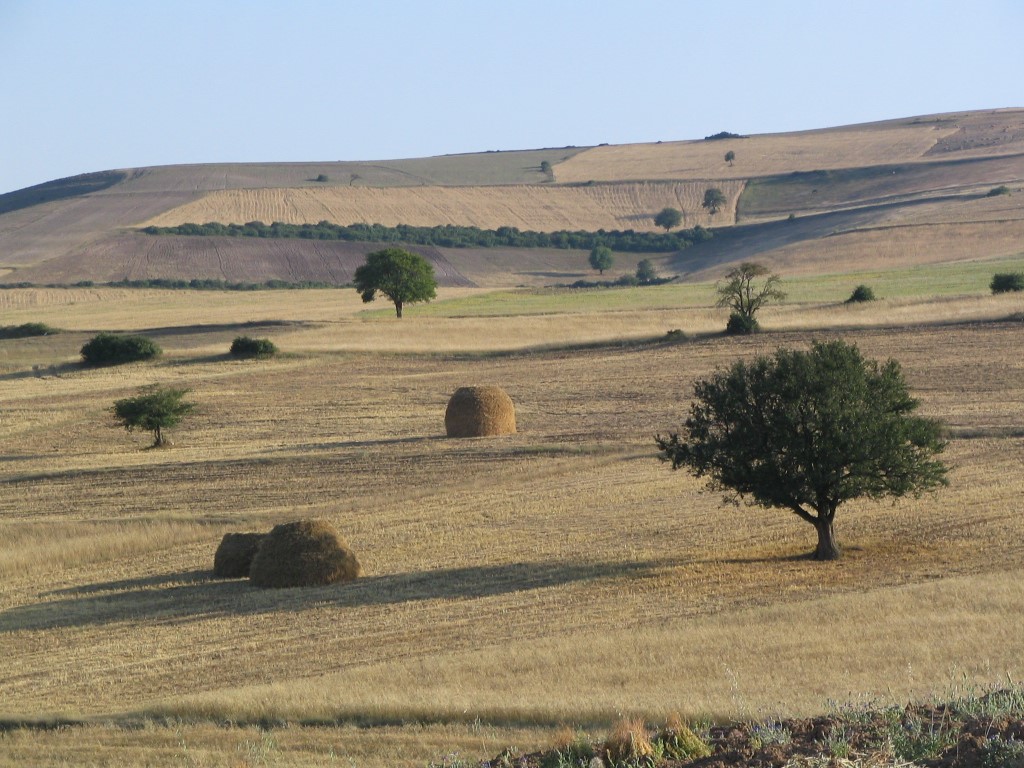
(304, 553)
(235, 554)
(480, 412)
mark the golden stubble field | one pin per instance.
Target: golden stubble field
(561, 575)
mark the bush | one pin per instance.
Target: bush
(245, 346)
(681, 743)
(1005, 282)
(861, 293)
(321, 177)
(110, 349)
(740, 324)
(25, 330)
(997, 191)
(645, 271)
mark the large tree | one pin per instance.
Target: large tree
(668, 218)
(154, 409)
(404, 277)
(601, 258)
(714, 198)
(744, 290)
(806, 431)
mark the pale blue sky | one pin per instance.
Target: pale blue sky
(95, 84)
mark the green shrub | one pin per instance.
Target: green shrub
(321, 177)
(740, 324)
(1002, 753)
(645, 271)
(244, 346)
(1005, 282)
(110, 349)
(997, 191)
(860, 294)
(25, 330)
(679, 742)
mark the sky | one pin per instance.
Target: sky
(90, 85)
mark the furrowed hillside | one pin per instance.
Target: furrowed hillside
(868, 196)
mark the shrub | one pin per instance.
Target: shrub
(111, 349)
(675, 334)
(568, 748)
(245, 346)
(680, 743)
(860, 294)
(645, 271)
(321, 177)
(25, 330)
(997, 191)
(628, 281)
(629, 744)
(740, 324)
(1005, 282)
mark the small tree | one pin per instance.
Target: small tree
(545, 168)
(154, 409)
(404, 277)
(729, 157)
(645, 271)
(111, 349)
(861, 294)
(714, 199)
(745, 290)
(246, 346)
(808, 431)
(1005, 282)
(668, 218)
(601, 258)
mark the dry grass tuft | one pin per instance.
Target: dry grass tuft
(303, 553)
(235, 553)
(480, 412)
(628, 743)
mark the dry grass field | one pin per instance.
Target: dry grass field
(559, 575)
(527, 207)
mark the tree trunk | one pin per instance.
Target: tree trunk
(398, 309)
(827, 548)
(158, 438)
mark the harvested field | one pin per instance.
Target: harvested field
(897, 141)
(543, 209)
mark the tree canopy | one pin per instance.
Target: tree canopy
(668, 218)
(806, 431)
(154, 409)
(404, 277)
(714, 199)
(601, 258)
(745, 289)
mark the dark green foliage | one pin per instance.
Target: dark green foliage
(997, 191)
(746, 289)
(111, 349)
(1005, 282)
(451, 236)
(246, 346)
(860, 294)
(322, 177)
(154, 409)
(645, 271)
(730, 156)
(723, 135)
(668, 218)
(738, 324)
(806, 431)
(545, 168)
(25, 330)
(404, 277)
(714, 199)
(601, 258)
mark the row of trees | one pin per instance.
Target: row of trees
(451, 236)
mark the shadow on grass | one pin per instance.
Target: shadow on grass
(190, 595)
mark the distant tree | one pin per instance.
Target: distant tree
(321, 177)
(730, 156)
(353, 178)
(246, 346)
(997, 191)
(745, 290)
(155, 409)
(601, 258)
(860, 294)
(404, 277)
(714, 199)
(111, 349)
(645, 271)
(1005, 282)
(807, 432)
(668, 218)
(545, 168)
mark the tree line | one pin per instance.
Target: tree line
(451, 235)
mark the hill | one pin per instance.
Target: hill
(896, 192)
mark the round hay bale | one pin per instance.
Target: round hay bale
(305, 553)
(480, 412)
(235, 554)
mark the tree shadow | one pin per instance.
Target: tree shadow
(190, 595)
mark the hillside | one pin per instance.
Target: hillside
(897, 192)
